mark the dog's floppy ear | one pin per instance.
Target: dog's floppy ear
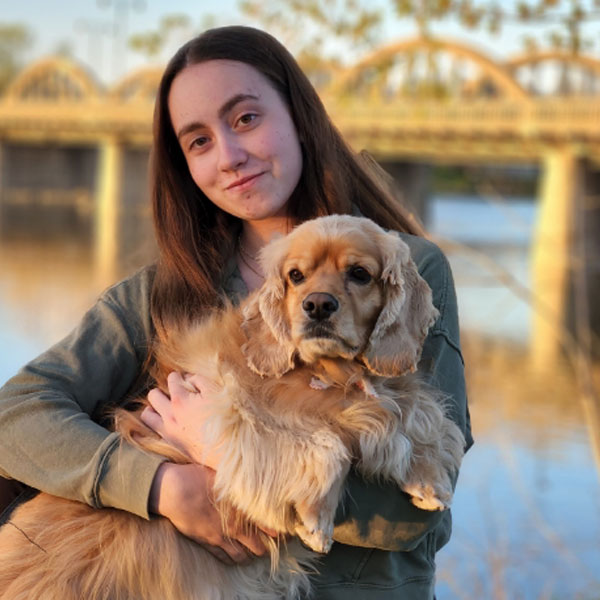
(269, 349)
(395, 344)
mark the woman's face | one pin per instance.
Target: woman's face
(237, 135)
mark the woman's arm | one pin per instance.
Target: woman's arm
(381, 516)
(48, 439)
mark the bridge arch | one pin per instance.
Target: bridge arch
(139, 86)
(575, 73)
(380, 63)
(53, 79)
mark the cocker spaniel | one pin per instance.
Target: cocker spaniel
(315, 368)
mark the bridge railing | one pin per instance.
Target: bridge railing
(572, 118)
(80, 199)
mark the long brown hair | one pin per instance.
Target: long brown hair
(194, 236)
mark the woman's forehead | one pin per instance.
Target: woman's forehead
(218, 77)
(208, 88)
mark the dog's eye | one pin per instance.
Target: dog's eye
(295, 276)
(359, 275)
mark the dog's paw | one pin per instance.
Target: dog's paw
(319, 540)
(426, 497)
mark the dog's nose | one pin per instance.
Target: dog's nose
(319, 305)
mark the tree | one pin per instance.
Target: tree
(565, 18)
(14, 39)
(312, 30)
(152, 43)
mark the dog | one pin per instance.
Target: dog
(316, 371)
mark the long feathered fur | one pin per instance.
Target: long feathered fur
(296, 411)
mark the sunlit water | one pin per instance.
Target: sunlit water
(527, 509)
(527, 505)
(491, 233)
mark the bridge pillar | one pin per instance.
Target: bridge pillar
(106, 226)
(583, 316)
(561, 184)
(412, 182)
(2, 183)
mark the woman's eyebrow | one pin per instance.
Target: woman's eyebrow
(229, 104)
(225, 108)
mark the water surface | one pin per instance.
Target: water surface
(527, 509)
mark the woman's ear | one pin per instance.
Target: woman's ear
(395, 344)
(269, 349)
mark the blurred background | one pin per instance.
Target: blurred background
(487, 117)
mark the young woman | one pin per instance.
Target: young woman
(243, 149)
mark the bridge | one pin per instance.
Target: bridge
(412, 102)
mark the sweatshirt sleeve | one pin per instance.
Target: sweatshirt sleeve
(48, 437)
(380, 515)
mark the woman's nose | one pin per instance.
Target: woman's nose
(232, 154)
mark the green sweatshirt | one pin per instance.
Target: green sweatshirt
(51, 439)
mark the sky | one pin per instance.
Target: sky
(54, 22)
(77, 22)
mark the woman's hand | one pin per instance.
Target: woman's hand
(183, 494)
(180, 419)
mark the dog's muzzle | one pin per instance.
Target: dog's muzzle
(319, 306)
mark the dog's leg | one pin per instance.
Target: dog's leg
(415, 445)
(429, 481)
(295, 491)
(283, 470)
(315, 520)
(427, 495)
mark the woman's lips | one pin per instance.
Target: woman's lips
(244, 183)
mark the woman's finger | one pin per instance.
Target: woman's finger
(219, 554)
(160, 402)
(229, 551)
(238, 552)
(203, 384)
(252, 544)
(184, 415)
(180, 387)
(270, 532)
(152, 419)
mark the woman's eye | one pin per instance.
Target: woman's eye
(199, 142)
(359, 275)
(295, 276)
(247, 118)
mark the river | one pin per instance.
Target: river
(527, 506)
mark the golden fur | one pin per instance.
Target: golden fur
(306, 394)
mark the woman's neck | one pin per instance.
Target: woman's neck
(255, 234)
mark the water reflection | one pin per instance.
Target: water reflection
(526, 512)
(527, 508)
(45, 288)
